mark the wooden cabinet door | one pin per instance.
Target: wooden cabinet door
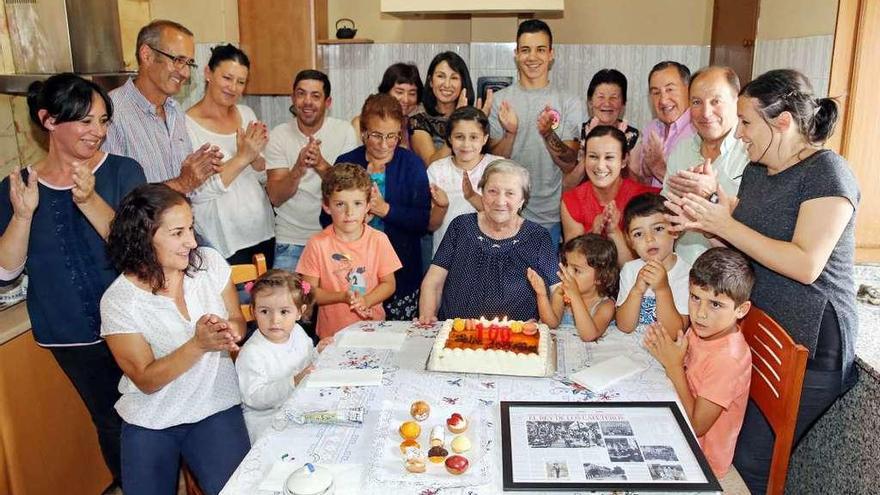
(734, 24)
(279, 37)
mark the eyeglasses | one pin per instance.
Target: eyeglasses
(178, 61)
(378, 137)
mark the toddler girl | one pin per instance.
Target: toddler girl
(454, 179)
(585, 298)
(275, 359)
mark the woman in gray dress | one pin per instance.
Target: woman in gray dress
(795, 218)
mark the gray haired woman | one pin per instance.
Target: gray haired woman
(480, 267)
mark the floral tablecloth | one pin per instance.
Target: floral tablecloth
(404, 380)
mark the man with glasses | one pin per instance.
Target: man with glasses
(149, 125)
(298, 155)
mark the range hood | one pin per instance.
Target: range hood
(52, 36)
(402, 7)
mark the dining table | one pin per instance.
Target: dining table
(362, 456)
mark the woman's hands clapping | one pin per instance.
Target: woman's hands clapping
(24, 196)
(214, 334)
(252, 141)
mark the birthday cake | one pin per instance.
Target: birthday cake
(492, 346)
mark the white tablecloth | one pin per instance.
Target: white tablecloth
(405, 380)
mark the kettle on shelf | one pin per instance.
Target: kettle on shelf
(345, 32)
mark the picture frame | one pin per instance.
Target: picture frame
(571, 446)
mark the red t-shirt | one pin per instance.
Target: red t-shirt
(583, 205)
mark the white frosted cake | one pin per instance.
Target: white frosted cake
(495, 347)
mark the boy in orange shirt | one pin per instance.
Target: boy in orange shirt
(711, 366)
(350, 264)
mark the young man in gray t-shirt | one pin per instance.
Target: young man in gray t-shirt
(536, 123)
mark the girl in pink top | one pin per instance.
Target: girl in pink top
(595, 206)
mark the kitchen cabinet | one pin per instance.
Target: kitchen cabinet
(280, 37)
(48, 443)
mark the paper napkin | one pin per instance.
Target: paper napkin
(603, 374)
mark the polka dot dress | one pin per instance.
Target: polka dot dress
(487, 277)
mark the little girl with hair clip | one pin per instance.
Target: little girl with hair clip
(275, 359)
(585, 298)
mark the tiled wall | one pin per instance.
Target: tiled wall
(355, 70)
(361, 67)
(810, 55)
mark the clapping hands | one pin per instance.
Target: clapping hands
(24, 196)
(213, 333)
(670, 353)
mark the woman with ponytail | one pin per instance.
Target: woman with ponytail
(54, 217)
(795, 219)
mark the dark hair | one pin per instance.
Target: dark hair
(222, 53)
(291, 282)
(151, 34)
(314, 75)
(608, 130)
(787, 90)
(534, 26)
(607, 76)
(345, 177)
(66, 97)
(682, 69)
(601, 255)
(643, 205)
(725, 271)
(470, 114)
(402, 73)
(729, 76)
(457, 64)
(130, 242)
(381, 105)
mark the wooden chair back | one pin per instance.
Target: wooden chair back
(778, 366)
(247, 273)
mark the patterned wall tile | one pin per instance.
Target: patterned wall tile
(810, 55)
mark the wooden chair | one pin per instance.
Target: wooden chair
(778, 366)
(240, 274)
(247, 273)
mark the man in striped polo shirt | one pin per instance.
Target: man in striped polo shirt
(149, 125)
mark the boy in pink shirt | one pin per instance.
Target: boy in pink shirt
(711, 366)
(350, 264)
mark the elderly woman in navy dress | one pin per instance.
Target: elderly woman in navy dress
(480, 267)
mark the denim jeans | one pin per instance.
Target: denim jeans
(287, 256)
(555, 237)
(95, 376)
(212, 448)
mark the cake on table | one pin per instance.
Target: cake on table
(492, 346)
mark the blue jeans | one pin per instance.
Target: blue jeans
(555, 237)
(287, 256)
(212, 448)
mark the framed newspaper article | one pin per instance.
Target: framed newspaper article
(567, 446)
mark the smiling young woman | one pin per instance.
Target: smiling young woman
(237, 217)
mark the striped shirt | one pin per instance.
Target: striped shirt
(159, 145)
